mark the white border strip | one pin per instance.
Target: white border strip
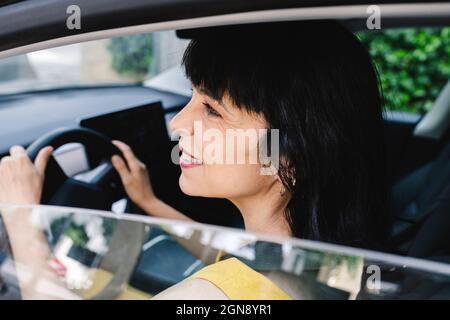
(375, 256)
(330, 12)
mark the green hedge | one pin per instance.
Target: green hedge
(414, 65)
(132, 55)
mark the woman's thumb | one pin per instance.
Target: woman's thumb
(42, 159)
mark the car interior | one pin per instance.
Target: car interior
(418, 149)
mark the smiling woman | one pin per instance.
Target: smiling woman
(322, 97)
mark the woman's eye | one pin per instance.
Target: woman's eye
(210, 111)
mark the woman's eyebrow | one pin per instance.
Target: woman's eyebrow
(227, 109)
(220, 102)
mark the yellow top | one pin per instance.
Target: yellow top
(240, 282)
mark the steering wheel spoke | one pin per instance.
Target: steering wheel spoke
(54, 178)
(98, 192)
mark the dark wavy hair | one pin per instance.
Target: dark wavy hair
(315, 82)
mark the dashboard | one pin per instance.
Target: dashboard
(25, 117)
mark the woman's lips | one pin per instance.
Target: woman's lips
(184, 165)
(187, 161)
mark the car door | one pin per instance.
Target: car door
(103, 255)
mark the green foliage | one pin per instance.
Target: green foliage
(78, 234)
(131, 55)
(413, 64)
(65, 225)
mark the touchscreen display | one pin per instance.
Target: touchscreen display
(144, 129)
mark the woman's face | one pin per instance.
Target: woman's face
(220, 145)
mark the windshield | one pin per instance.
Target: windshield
(101, 255)
(122, 60)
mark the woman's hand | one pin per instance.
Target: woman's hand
(21, 181)
(134, 176)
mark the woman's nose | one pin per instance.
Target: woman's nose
(182, 123)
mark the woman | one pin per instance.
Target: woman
(315, 82)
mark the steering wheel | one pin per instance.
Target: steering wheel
(103, 188)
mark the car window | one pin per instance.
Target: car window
(413, 64)
(102, 255)
(121, 60)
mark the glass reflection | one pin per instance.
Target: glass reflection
(61, 253)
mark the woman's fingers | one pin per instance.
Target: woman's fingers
(127, 153)
(21, 180)
(5, 160)
(18, 152)
(121, 167)
(42, 159)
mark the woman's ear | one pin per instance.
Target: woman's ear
(282, 187)
(271, 171)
